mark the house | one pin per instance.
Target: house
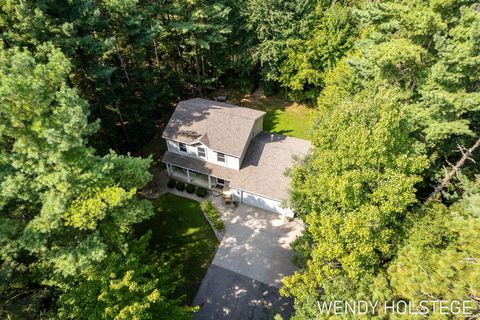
(223, 147)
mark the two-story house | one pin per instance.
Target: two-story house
(222, 146)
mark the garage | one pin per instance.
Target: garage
(261, 202)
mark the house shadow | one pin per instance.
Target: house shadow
(257, 146)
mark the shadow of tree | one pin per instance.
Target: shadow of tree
(255, 246)
(182, 237)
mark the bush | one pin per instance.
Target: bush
(268, 87)
(171, 184)
(212, 213)
(190, 188)
(201, 192)
(180, 186)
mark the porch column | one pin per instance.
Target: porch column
(169, 169)
(209, 182)
(188, 175)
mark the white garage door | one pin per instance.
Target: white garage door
(264, 203)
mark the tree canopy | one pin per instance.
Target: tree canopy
(67, 213)
(396, 92)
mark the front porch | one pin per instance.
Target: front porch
(199, 179)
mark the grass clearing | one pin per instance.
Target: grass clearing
(284, 117)
(181, 232)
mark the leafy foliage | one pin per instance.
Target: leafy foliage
(201, 192)
(309, 58)
(69, 213)
(353, 192)
(212, 213)
(405, 93)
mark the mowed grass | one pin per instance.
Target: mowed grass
(282, 116)
(292, 120)
(182, 234)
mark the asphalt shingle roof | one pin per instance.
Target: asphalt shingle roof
(222, 127)
(262, 170)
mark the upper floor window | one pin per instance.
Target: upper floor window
(182, 147)
(201, 152)
(220, 157)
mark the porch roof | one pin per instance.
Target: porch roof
(262, 170)
(199, 166)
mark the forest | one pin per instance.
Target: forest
(390, 194)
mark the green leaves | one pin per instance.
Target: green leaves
(307, 60)
(437, 260)
(69, 212)
(405, 95)
(93, 206)
(355, 189)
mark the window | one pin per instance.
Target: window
(221, 181)
(201, 152)
(182, 147)
(220, 157)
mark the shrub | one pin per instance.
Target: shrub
(201, 192)
(180, 186)
(212, 213)
(190, 188)
(171, 184)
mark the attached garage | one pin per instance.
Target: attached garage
(261, 202)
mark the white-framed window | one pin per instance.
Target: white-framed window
(220, 157)
(182, 147)
(201, 152)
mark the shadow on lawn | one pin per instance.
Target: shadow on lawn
(183, 238)
(272, 119)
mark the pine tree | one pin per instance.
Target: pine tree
(64, 210)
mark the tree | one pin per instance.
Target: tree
(123, 287)
(275, 22)
(200, 26)
(440, 257)
(353, 193)
(432, 55)
(66, 212)
(407, 91)
(309, 58)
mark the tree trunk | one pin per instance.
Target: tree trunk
(465, 155)
(197, 69)
(120, 117)
(122, 64)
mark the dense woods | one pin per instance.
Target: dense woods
(396, 90)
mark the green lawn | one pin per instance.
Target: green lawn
(290, 121)
(284, 117)
(181, 232)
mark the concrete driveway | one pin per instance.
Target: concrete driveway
(253, 257)
(257, 245)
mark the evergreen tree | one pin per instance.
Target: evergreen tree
(275, 23)
(439, 259)
(64, 210)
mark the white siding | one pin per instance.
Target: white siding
(261, 202)
(258, 126)
(230, 161)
